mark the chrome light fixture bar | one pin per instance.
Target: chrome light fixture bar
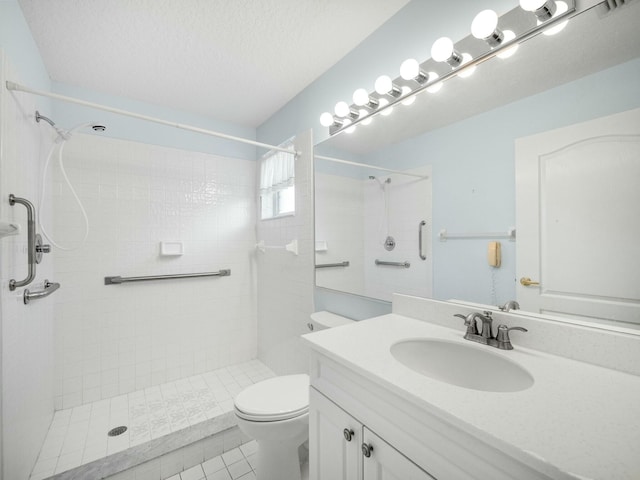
(547, 16)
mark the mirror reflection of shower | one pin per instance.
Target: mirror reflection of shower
(63, 136)
(389, 242)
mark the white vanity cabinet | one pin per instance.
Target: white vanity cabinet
(559, 427)
(342, 448)
(410, 441)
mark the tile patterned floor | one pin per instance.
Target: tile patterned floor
(78, 435)
(236, 464)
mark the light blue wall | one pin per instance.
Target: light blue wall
(18, 44)
(473, 160)
(409, 33)
(474, 174)
(127, 128)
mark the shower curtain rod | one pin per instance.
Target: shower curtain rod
(21, 88)
(348, 162)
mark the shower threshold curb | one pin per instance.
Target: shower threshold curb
(144, 452)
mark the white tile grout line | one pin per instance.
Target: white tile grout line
(236, 464)
(79, 435)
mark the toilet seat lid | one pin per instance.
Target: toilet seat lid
(277, 398)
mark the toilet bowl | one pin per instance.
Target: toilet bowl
(275, 412)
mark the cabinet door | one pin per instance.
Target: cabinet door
(386, 463)
(334, 441)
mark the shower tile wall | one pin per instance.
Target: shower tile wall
(409, 202)
(27, 330)
(351, 218)
(111, 340)
(339, 214)
(285, 281)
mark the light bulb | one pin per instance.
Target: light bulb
(436, 86)
(326, 119)
(484, 24)
(409, 69)
(543, 9)
(383, 84)
(360, 97)
(367, 118)
(508, 36)
(466, 58)
(350, 129)
(562, 7)
(384, 102)
(407, 101)
(342, 109)
(531, 5)
(442, 49)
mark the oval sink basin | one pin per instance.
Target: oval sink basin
(468, 366)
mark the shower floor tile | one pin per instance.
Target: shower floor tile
(78, 436)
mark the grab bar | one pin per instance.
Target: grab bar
(31, 242)
(510, 234)
(331, 265)
(394, 264)
(420, 225)
(118, 280)
(49, 288)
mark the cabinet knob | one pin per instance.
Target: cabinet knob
(348, 434)
(366, 450)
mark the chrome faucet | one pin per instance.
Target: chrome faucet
(485, 335)
(510, 305)
(470, 323)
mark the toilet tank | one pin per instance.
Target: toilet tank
(323, 320)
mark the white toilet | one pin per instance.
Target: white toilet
(275, 412)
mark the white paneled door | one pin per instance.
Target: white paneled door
(578, 220)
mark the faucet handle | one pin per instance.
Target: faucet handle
(502, 338)
(469, 322)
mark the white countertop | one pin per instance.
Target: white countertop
(582, 419)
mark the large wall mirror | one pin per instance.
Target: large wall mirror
(460, 147)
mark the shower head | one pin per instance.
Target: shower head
(42, 117)
(39, 117)
(66, 135)
(380, 182)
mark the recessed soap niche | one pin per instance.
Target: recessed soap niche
(171, 249)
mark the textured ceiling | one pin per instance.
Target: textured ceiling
(234, 60)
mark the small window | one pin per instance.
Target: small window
(277, 189)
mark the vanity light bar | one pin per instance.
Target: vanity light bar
(500, 43)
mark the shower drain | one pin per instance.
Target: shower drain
(114, 432)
